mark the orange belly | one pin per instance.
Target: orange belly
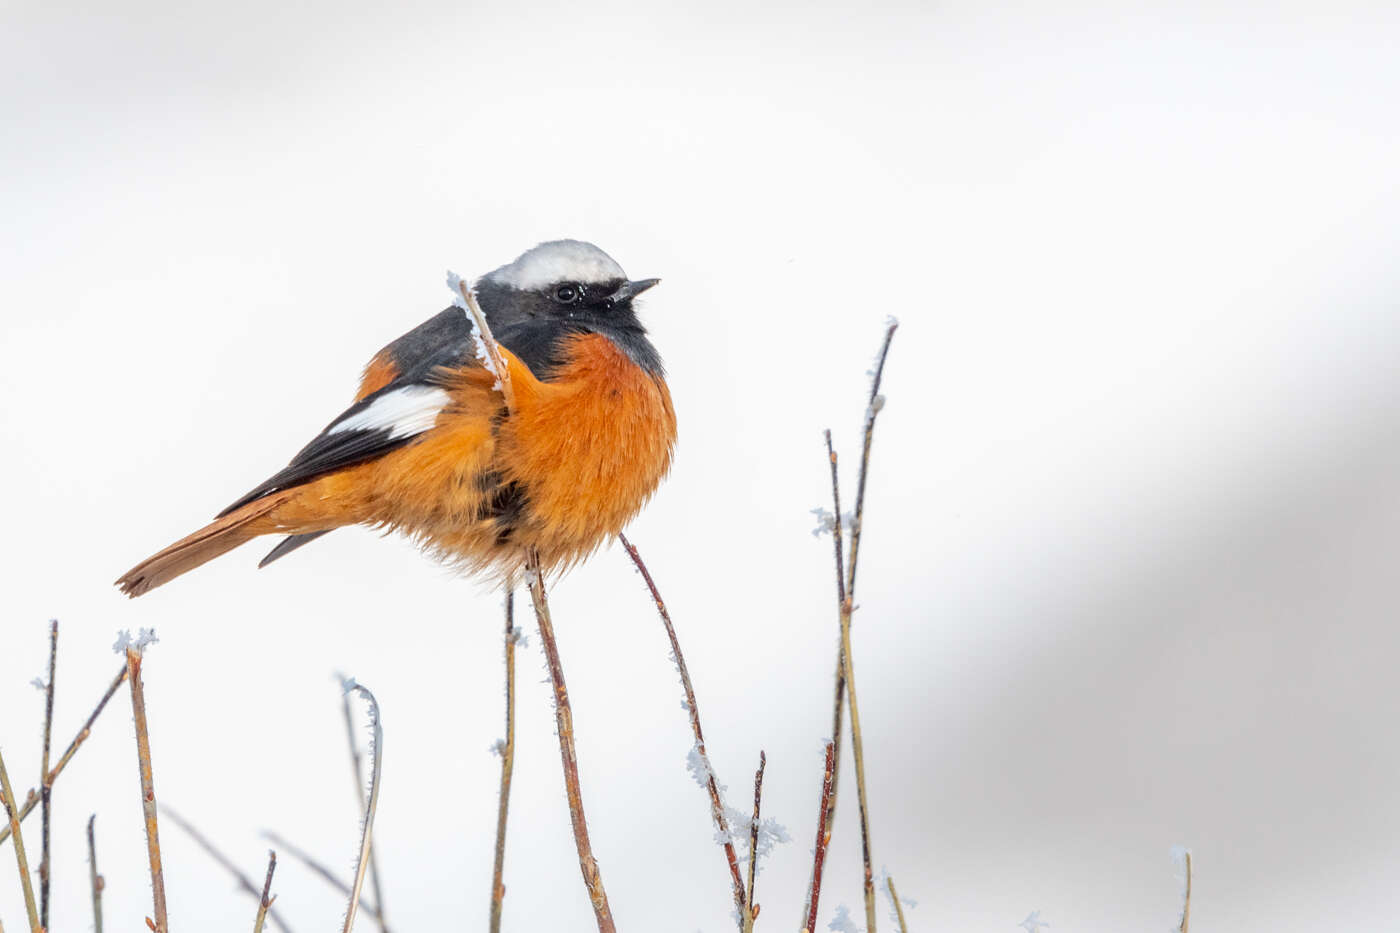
(564, 472)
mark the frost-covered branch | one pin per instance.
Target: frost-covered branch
(358, 771)
(488, 351)
(754, 828)
(507, 749)
(699, 761)
(564, 721)
(376, 754)
(1182, 857)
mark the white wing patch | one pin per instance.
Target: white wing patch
(559, 261)
(403, 412)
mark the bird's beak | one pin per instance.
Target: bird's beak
(629, 290)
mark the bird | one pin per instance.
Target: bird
(432, 449)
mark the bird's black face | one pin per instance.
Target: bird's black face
(532, 320)
(598, 300)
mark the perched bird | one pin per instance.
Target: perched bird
(431, 449)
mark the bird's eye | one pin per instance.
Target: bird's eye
(567, 293)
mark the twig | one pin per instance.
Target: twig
(7, 795)
(495, 358)
(809, 923)
(245, 883)
(45, 788)
(357, 766)
(376, 751)
(96, 879)
(844, 608)
(1185, 856)
(32, 798)
(265, 902)
(148, 789)
(693, 708)
(564, 721)
(872, 408)
(898, 907)
(874, 404)
(301, 855)
(751, 914)
(507, 748)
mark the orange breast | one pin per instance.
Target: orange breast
(588, 449)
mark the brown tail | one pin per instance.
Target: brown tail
(217, 537)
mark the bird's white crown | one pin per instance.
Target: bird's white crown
(558, 261)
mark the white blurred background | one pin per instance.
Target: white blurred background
(1129, 572)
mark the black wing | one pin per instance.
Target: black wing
(444, 340)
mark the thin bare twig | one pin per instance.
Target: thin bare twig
(94, 877)
(376, 752)
(814, 893)
(495, 359)
(898, 907)
(148, 788)
(507, 749)
(1185, 924)
(265, 902)
(7, 795)
(693, 708)
(245, 883)
(844, 609)
(32, 798)
(751, 914)
(319, 868)
(564, 721)
(874, 404)
(45, 788)
(357, 767)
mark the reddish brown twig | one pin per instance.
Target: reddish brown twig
(564, 721)
(847, 666)
(507, 749)
(7, 796)
(245, 883)
(32, 798)
(265, 902)
(357, 767)
(94, 877)
(751, 914)
(45, 788)
(693, 708)
(814, 894)
(148, 788)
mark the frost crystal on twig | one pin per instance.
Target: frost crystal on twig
(144, 638)
(1033, 923)
(842, 922)
(826, 521)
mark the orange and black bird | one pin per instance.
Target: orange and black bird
(431, 449)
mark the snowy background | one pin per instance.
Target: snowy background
(1130, 574)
